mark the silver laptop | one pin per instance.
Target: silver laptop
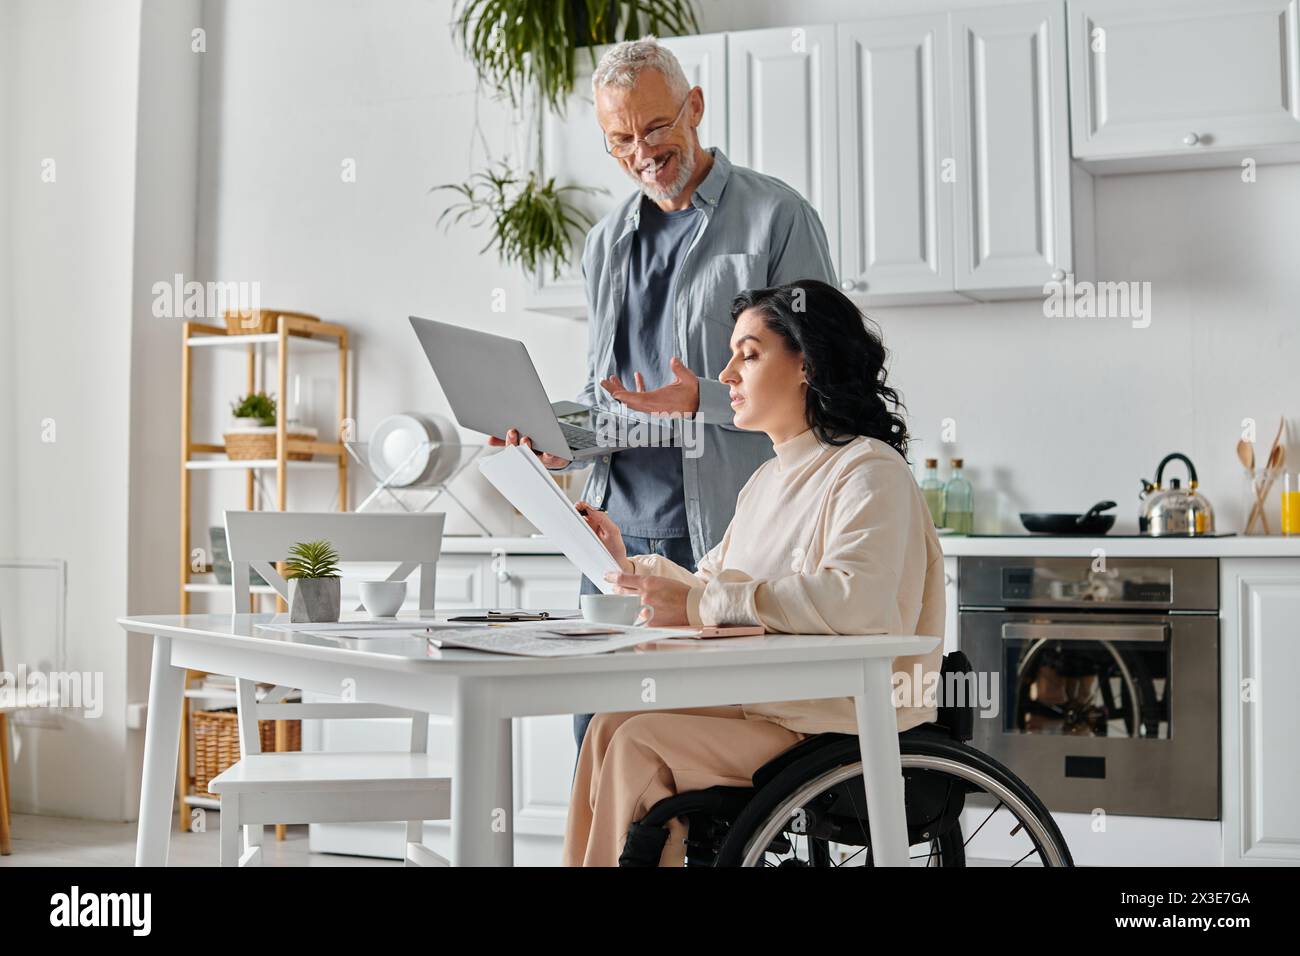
(493, 386)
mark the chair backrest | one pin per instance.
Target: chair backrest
(258, 539)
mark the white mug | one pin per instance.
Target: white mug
(383, 598)
(622, 609)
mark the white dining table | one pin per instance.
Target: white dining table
(483, 691)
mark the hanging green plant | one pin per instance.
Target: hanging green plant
(518, 45)
(533, 223)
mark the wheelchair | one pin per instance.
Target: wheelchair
(807, 807)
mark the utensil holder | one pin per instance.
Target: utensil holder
(1264, 517)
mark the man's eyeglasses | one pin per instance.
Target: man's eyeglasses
(624, 146)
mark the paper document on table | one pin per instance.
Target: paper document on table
(526, 484)
(547, 639)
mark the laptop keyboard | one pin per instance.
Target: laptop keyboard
(578, 438)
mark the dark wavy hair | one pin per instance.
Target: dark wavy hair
(844, 361)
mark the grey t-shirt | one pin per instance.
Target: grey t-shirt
(646, 499)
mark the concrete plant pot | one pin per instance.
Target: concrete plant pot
(314, 600)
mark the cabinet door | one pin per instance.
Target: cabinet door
(895, 122)
(574, 152)
(464, 583)
(1171, 77)
(951, 637)
(538, 582)
(1012, 191)
(781, 114)
(1261, 775)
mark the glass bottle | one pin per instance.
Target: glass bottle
(958, 501)
(932, 491)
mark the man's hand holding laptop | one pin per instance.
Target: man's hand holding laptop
(513, 438)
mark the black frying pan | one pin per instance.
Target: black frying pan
(1091, 521)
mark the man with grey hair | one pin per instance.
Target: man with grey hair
(661, 269)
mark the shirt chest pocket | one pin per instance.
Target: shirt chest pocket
(721, 279)
(724, 276)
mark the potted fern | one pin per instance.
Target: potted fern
(312, 571)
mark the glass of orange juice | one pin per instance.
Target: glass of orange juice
(1291, 503)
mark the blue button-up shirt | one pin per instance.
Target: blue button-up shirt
(756, 232)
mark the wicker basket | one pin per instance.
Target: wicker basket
(260, 321)
(259, 444)
(216, 743)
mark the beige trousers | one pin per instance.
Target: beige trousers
(631, 761)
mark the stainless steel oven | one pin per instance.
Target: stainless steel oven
(1107, 678)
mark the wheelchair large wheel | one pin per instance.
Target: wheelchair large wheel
(813, 813)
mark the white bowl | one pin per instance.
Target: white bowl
(383, 598)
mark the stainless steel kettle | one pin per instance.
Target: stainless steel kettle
(1174, 510)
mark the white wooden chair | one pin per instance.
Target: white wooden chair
(329, 787)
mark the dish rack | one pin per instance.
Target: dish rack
(407, 496)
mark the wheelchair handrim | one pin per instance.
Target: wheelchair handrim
(780, 817)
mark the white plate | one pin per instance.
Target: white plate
(398, 437)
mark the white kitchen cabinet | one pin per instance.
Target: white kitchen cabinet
(544, 751)
(573, 150)
(895, 143)
(1260, 710)
(781, 112)
(1183, 83)
(1012, 214)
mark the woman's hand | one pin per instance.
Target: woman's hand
(666, 595)
(608, 534)
(512, 438)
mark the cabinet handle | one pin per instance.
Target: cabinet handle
(947, 580)
(848, 285)
(1058, 275)
(503, 576)
(1191, 139)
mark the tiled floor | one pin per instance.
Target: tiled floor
(60, 841)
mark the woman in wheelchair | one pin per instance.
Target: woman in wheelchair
(831, 536)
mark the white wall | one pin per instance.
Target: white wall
(72, 68)
(7, 476)
(291, 90)
(1051, 414)
(165, 220)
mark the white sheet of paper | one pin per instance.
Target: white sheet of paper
(526, 484)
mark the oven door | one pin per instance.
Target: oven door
(1103, 711)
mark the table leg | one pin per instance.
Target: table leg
(482, 792)
(162, 728)
(882, 773)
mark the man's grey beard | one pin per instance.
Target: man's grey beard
(685, 169)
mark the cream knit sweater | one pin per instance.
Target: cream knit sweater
(825, 540)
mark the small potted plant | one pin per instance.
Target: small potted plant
(313, 575)
(255, 410)
(251, 436)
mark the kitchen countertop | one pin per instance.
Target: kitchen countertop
(1238, 546)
